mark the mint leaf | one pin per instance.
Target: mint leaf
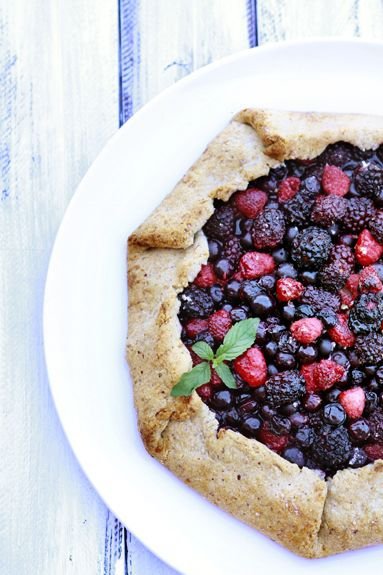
(238, 339)
(225, 374)
(203, 350)
(197, 376)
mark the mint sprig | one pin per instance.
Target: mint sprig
(237, 340)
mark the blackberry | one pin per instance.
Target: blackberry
(298, 209)
(359, 212)
(331, 448)
(310, 249)
(195, 303)
(232, 250)
(340, 265)
(318, 298)
(268, 229)
(376, 425)
(369, 180)
(220, 225)
(376, 226)
(366, 314)
(284, 387)
(339, 154)
(369, 348)
(328, 210)
(287, 343)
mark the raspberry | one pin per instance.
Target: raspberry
(206, 276)
(367, 313)
(331, 448)
(310, 248)
(268, 229)
(318, 298)
(255, 264)
(251, 367)
(367, 249)
(196, 359)
(284, 387)
(328, 210)
(195, 303)
(307, 371)
(215, 380)
(376, 226)
(352, 284)
(205, 391)
(250, 202)
(327, 373)
(335, 181)
(341, 333)
(369, 280)
(195, 326)
(298, 209)
(232, 251)
(369, 180)
(273, 441)
(219, 324)
(220, 225)
(288, 289)
(359, 212)
(346, 298)
(306, 330)
(369, 348)
(353, 401)
(374, 451)
(288, 188)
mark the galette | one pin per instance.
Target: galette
(255, 337)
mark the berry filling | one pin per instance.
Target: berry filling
(302, 250)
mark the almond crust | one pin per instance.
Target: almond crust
(310, 516)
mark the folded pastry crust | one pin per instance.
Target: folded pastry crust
(293, 506)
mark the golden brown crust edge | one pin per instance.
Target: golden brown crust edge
(294, 507)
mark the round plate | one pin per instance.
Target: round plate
(85, 312)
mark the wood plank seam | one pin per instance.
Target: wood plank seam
(129, 56)
(252, 23)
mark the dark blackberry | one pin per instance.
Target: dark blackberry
(206, 337)
(328, 210)
(369, 179)
(232, 250)
(195, 303)
(310, 249)
(285, 387)
(318, 299)
(339, 154)
(366, 314)
(338, 268)
(331, 448)
(298, 209)
(287, 343)
(220, 225)
(376, 226)
(358, 214)
(268, 229)
(369, 348)
(376, 425)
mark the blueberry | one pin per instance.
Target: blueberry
(289, 408)
(232, 417)
(280, 425)
(359, 430)
(259, 393)
(272, 370)
(379, 376)
(223, 268)
(309, 277)
(303, 311)
(221, 399)
(267, 412)
(291, 233)
(262, 305)
(294, 455)
(307, 354)
(280, 255)
(246, 225)
(312, 402)
(328, 316)
(325, 347)
(334, 414)
(249, 406)
(250, 426)
(371, 401)
(215, 248)
(358, 458)
(285, 360)
(261, 336)
(247, 241)
(341, 359)
(288, 312)
(370, 370)
(242, 397)
(237, 227)
(239, 314)
(298, 420)
(227, 307)
(357, 377)
(271, 349)
(304, 436)
(267, 282)
(287, 270)
(232, 290)
(333, 394)
(216, 294)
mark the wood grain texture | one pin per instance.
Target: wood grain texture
(58, 106)
(293, 19)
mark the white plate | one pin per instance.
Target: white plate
(85, 320)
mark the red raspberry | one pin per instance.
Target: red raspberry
(275, 442)
(346, 298)
(205, 391)
(219, 324)
(288, 289)
(327, 373)
(341, 333)
(206, 277)
(369, 280)
(196, 359)
(195, 326)
(215, 380)
(255, 264)
(334, 181)
(306, 330)
(352, 285)
(353, 401)
(307, 371)
(250, 202)
(367, 249)
(288, 188)
(374, 451)
(251, 366)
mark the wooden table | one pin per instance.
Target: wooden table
(71, 71)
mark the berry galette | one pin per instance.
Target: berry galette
(256, 327)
